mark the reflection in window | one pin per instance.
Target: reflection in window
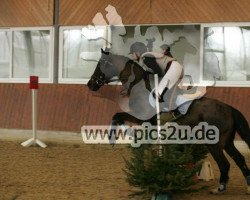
(81, 49)
(31, 53)
(227, 53)
(25, 52)
(184, 41)
(4, 54)
(81, 46)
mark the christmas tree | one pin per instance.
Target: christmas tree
(173, 171)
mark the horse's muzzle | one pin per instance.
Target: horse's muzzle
(92, 85)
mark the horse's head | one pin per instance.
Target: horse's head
(103, 73)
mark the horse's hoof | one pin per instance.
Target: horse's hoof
(217, 191)
(248, 184)
(112, 137)
(248, 180)
(248, 189)
(130, 132)
(220, 190)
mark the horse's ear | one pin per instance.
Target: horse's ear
(104, 51)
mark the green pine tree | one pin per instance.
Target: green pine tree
(174, 171)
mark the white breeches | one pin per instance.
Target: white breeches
(172, 76)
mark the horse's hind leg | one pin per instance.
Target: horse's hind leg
(240, 161)
(223, 164)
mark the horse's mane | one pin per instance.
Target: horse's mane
(129, 61)
(130, 69)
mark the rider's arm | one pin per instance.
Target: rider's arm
(151, 63)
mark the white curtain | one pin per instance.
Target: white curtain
(31, 53)
(4, 54)
(75, 47)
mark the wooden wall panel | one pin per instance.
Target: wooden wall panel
(60, 107)
(14, 13)
(176, 11)
(81, 12)
(14, 107)
(68, 107)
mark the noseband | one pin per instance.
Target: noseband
(101, 79)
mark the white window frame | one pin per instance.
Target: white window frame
(11, 79)
(85, 80)
(201, 80)
(219, 83)
(61, 79)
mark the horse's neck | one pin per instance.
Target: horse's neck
(129, 71)
(133, 74)
(120, 63)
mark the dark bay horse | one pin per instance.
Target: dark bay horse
(227, 119)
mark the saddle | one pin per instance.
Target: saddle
(183, 101)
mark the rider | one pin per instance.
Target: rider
(166, 50)
(140, 54)
(165, 66)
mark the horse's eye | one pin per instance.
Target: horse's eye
(99, 82)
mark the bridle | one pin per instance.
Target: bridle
(101, 79)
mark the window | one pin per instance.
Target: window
(80, 49)
(184, 42)
(25, 52)
(226, 54)
(80, 46)
(210, 53)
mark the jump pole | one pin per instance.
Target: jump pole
(34, 140)
(157, 106)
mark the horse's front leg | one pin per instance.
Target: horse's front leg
(116, 120)
(119, 119)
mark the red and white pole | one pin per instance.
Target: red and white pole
(34, 140)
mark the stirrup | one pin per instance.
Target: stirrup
(176, 115)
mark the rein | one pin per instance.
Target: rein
(101, 80)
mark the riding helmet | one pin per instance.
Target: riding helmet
(165, 47)
(138, 47)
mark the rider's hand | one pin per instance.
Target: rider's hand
(124, 93)
(160, 98)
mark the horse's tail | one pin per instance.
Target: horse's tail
(241, 125)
